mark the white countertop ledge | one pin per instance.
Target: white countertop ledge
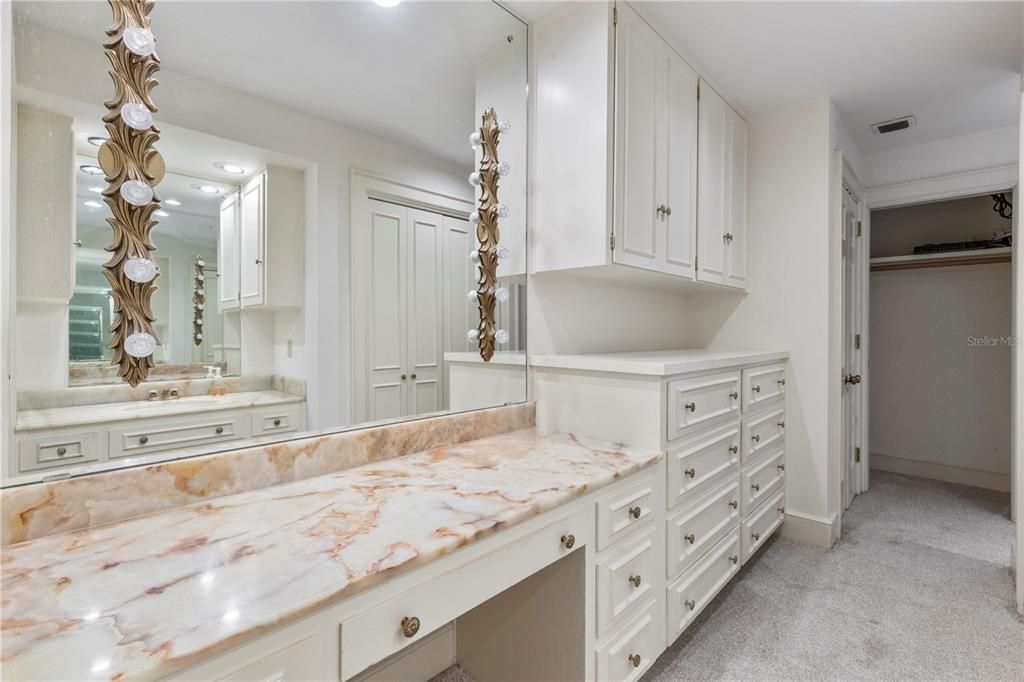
(660, 363)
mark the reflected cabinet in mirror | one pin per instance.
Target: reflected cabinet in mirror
(236, 222)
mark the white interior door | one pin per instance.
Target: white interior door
(854, 255)
(460, 314)
(386, 328)
(425, 302)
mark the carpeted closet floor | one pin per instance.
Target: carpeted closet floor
(918, 588)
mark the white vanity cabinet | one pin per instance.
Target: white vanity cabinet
(631, 187)
(271, 225)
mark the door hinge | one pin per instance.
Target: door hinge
(856, 341)
(615, 16)
(612, 241)
(856, 454)
(860, 228)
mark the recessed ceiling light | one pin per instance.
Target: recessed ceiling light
(206, 189)
(93, 204)
(386, 3)
(229, 167)
(90, 169)
(172, 202)
(162, 214)
(96, 140)
(96, 189)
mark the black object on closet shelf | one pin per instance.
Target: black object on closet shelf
(996, 243)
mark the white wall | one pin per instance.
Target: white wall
(7, 237)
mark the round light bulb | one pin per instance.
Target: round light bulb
(474, 179)
(136, 192)
(139, 270)
(503, 252)
(200, 262)
(504, 127)
(502, 210)
(472, 295)
(139, 41)
(200, 277)
(474, 256)
(199, 306)
(137, 116)
(475, 139)
(501, 336)
(199, 336)
(201, 291)
(140, 345)
(504, 169)
(501, 294)
(474, 218)
(473, 335)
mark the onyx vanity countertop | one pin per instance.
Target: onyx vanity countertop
(144, 597)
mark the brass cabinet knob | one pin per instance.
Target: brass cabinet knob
(660, 210)
(259, 261)
(635, 579)
(756, 438)
(635, 660)
(756, 486)
(691, 538)
(410, 626)
(668, 210)
(61, 451)
(756, 536)
(781, 425)
(780, 467)
(781, 510)
(727, 236)
(568, 541)
(413, 375)
(735, 559)
(734, 395)
(219, 430)
(143, 439)
(277, 422)
(733, 449)
(692, 407)
(635, 512)
(734, 504)
(756, 389)
(691, 472)
(403, 377)
(690, 604)
(782, 382)
(852, 379)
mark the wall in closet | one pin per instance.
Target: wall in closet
(896, 231)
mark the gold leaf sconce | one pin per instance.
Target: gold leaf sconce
(133, 168)
(489, 251)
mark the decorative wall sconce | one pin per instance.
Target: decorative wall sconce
(132, 168)
(485, 220)
(198, 299)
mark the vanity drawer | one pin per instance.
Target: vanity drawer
(762, 385)
(701, 400)
(762, 480)
(702, 462)
(58, 449)
(697, 528)
(624, 580)
(375, 634)
(762, 523)
(624, 510)
(280, 419)
(695, 589)
(629, 653)
(763, 433)
(156, 436)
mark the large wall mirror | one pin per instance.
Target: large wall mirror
(325, 248)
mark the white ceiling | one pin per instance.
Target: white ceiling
(954, 65)
(405, 73)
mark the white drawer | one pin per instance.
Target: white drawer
(696, 529)
(695, 589)
(763, 433)
(629, 653)
(375, 634)
(278, 419)
(700, 400)
(58, 449)
(621, 512)
(760, 525)
(702, 462)
(180, 432)
(624, 579)
(762, 385)
(762, 480)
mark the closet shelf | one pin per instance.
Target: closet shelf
(942, 260)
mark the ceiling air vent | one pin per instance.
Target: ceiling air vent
(893, 126)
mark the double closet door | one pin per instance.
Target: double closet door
(420, 274)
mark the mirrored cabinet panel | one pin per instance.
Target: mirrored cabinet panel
(228, 230)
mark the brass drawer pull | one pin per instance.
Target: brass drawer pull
(635, 512)
(691, 538)
(635, 660)
(734, 395)
(635, 579)
(756, 438)
(756, 389)
(781, 425)
(61, 451)
(756, 536)
(219, 430)
(735, 559)
(734, 504)
(691, 472)
(781, 510)
(143, 440)
(780, 467)
(410, 626)
(690, 604)
(733, 449)
(568, 541)
(756, 487)
(692, 407)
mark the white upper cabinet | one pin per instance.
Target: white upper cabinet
(271, 224)
(637, 181)
(227, 254)
(722, 192)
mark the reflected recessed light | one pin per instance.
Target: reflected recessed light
(172, 202)
(386, 3)
(93, 204)
(162, 214)
(96, 140)
(206, 189)
(96, 189)
(90, 169)
(229, 167)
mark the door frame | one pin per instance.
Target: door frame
(366, 186)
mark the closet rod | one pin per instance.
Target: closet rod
(942, 259)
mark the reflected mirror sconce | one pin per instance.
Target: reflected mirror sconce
(485, 218)
(133, 168)
(198, 299)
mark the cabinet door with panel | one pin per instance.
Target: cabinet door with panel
(252, 213)
(735, 238)
(228, 253)
(680, 167)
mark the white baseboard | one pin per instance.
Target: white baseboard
(810, 530)
(941, 472)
